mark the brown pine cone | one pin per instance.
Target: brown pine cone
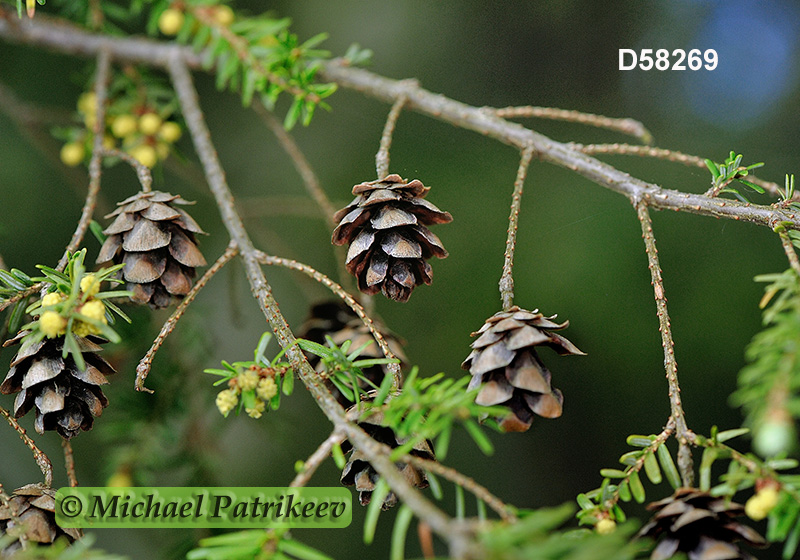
(700, 525)
(359, 473)
(66, 399)
(389, 243)
(30, 516)
(156, 241)
(506, 366)
(335, 319)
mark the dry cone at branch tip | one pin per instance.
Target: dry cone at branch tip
(506, 367)
(65, 398)
(335, 319)
(359, 472)
(385, 227)
(30, 516)
(699, 525)
(155, 239)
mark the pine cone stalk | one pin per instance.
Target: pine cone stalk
(505, 365)
(389, 243)
(155, 239)
(700, 525)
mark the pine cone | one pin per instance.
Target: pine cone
(389, 243)
(506, 366)
(30, 516)
(155, 240)
(359, 473)
(66, 398)
(335, 319)
(700, 525)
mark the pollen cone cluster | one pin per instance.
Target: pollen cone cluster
(337, 320)
(505, 365)
(155, 239)
(358, 471)
(30, 516)
(385, 227)
(699, 525)
(65, 398)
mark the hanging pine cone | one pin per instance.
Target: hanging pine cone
(66, 399)
(389, 243)
(337, 320)
(700, 525)
(359, 473)
(30, 516)
(506, 366)
(156, 241)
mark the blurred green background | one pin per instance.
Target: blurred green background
(579, 253)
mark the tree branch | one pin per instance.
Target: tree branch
(507, 278)
(262, 292)
(682, 432)
(70, 39)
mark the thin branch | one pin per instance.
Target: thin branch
(143, 369)
(682, 432)
(506, 512)
(316, 459)
(70, 39)
(788, 248)
(69, 463)
(507, 278)
(453, 532)
(382, 157)
(41, 459)
(627, 126)
(563, 155)
(667, 155)
(347, 298)
(310, 179)
(143, 172)
(101, 93)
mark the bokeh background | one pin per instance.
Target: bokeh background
(579, 254)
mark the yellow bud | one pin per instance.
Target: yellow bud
(162, 150)
(267, 388)
(90, 285)
(247, 381)
(79, 328)
(257, 410)
(144, 154)
(761, 503)
(123, 125)
(87, 103)
(72, 154)
(171, 21)
(94, 309)
(52, 299)
(170, 132)
(227, 401)
(149, 124)
(52, 324)
(223, 15)
(89, 120)
(605, 526)
(108, 142)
